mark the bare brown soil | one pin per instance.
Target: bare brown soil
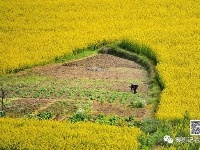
(24, 106)
(121, 72)
(119, 109)
(102, 66)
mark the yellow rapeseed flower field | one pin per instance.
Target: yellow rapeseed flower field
(34, 134)
(36, 31)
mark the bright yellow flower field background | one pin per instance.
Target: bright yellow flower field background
(36, 31)
(50, 135)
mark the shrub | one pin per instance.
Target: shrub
(150, 125)
(44, 115)
(80, 115)
(2, 113)
(138, 103)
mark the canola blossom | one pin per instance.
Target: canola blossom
(34, 134)
(34, 32)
